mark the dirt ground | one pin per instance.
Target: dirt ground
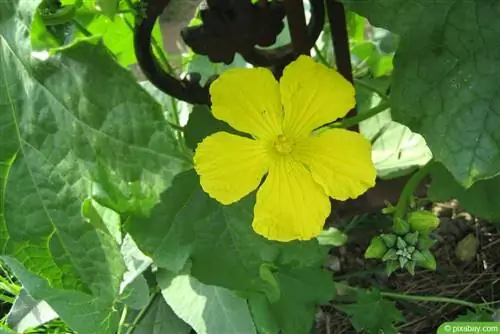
(476, 280)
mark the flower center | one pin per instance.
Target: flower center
(283, 145)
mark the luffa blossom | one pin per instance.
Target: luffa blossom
(303, 167)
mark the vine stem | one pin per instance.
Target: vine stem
(163, 60)
(434, 299)
(408, 190)
(369, 87)
(418, 298)
(321, 57)
(122, 319)
(296, 18)
(352, 121)
(141, 313)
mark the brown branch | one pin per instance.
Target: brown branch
(297, 23)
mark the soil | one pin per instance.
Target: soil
(476, 280)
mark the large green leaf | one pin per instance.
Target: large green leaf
(72, 126)
(82, 311)
(28, 313)
(396, 150)
(160, 319)
(301, 290)
(208, 309)
(202, 123)
(445, 86)
(219, 239)
(481, 199)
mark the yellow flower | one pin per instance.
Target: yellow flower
(303, 167)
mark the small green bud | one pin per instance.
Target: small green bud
(417, 256)
(412, 238)
(391, 266)
(376, 249)
(428, 261)
(410, 266)
(390, 255)
(425, 242)
(402, 262)
(423, 221)
(400, 226)
(389, 209)
(400, 243)
(389, 239)
(410, 249)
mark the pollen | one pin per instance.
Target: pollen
(283, 145)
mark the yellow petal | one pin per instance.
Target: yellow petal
(249, 100)
(339, 160)
(313, 95)
(230, 166)
(290, 204)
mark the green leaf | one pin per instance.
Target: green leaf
(43, 37)
(262, 315)
(28, 313)
(202, 123)
(166, 101)
(201, 64)
(332, 237)
(474, 316)
(356, 26)
(108, 7)
(102, 218)
(207, 308)
(82, 311)
(116, 33)
(366, 55)
(160, 319)
(272, 292)
(301, 292)
(396, 150)
(5, 330)
(372, 314)
(219, 239)
(479, 199)
(68, 134)
(135, 260)
(444, 86)
(134, 288)
(136, 294)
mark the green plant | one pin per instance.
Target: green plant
(104, 223)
